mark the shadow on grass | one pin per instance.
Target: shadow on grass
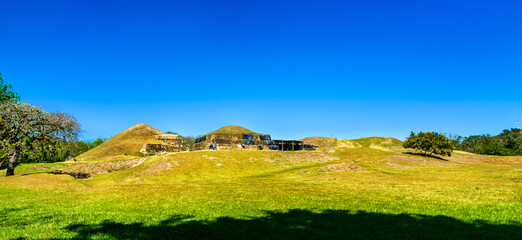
(303, 224)
(422, 155)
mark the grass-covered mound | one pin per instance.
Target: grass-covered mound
(382, 143)
(234, 129)
(328, 143)
(125, 144)
(321, 141)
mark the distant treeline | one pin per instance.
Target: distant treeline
(508, 143)
(58, 151)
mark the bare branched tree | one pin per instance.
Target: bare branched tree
(23, 125)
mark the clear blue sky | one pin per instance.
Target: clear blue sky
(293, 69)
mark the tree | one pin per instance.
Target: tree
(189, 141)
(6, 94)
(80, 147)
(428, 143)
(507, 143)
(511, 141)
(23, 126)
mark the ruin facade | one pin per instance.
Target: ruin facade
(242, 141)
(171, 143)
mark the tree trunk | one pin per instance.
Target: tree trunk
(12, 163)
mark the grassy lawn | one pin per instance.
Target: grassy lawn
(367, 189)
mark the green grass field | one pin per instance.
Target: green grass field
(367, 188)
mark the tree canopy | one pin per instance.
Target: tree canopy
(5, 93)
(507, 143)
(429, 143)
(24, 126)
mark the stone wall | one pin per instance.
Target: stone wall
(162, 148)
(173, 143)
(171, 139)
(230, 141)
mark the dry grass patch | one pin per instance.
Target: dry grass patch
(156, 167)
(320, 141)
(347, 144)
(90, 170)
(42, 180)
(465, 157)
(294, 157)
(343, 167)
(44, 167)
(406, 161)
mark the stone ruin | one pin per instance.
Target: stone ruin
(242, 141)
(172, 143)
(223, 141)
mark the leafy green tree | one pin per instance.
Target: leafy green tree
(5, 93)
(492, 146)
(429, 143)
(24, 126)
(472, 143)
(511, 140)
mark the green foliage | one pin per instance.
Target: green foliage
(189, 141)
(507, 143)
(24, 127)
(57, 151)
(145, 154)
(6, 94)
(428, 143)
(84, 146)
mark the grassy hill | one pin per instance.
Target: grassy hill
(234, 129)
(124, 145)
(368, 188)
(328, 143)
(321, 141)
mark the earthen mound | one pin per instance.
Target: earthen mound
(128, 142)
(234, 129)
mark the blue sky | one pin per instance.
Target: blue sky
(293, 69)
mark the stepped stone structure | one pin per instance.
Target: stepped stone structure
(173, 143)
(242, 141)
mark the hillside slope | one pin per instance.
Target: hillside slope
(321, 141)
(381, 143)
(128, 142)
(180, 194)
